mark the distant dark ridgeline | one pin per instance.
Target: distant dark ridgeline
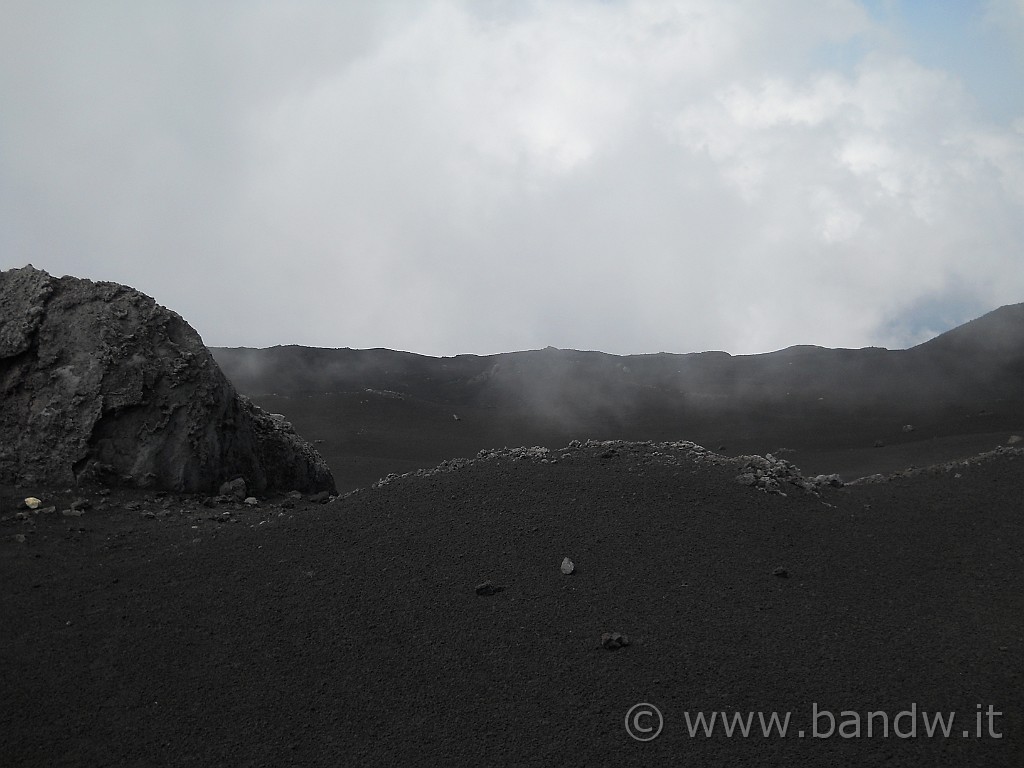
(982, 360)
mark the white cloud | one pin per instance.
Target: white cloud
(454, 176)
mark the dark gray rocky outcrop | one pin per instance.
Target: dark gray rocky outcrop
(98, 382)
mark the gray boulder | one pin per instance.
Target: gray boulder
(234, 488)
(99, 382)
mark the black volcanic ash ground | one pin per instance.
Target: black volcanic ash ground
(351, 632)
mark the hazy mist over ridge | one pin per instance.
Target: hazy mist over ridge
(984, 356)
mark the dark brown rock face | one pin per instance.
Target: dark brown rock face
(99, 382)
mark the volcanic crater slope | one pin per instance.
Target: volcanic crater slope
(855, 412)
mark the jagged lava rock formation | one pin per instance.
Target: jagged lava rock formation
(98, 382)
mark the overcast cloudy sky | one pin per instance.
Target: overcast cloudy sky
(449, 176)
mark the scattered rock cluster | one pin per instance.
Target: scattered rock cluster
(614, 640)
(33, 513)
(101, 384)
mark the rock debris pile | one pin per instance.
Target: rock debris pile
(766, 473)
(774, 475)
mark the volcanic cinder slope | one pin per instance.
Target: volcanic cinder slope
(373, 412)
(168, 629)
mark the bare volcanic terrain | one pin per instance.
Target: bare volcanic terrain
(852, 411)
(156, 631)
(428, 619)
